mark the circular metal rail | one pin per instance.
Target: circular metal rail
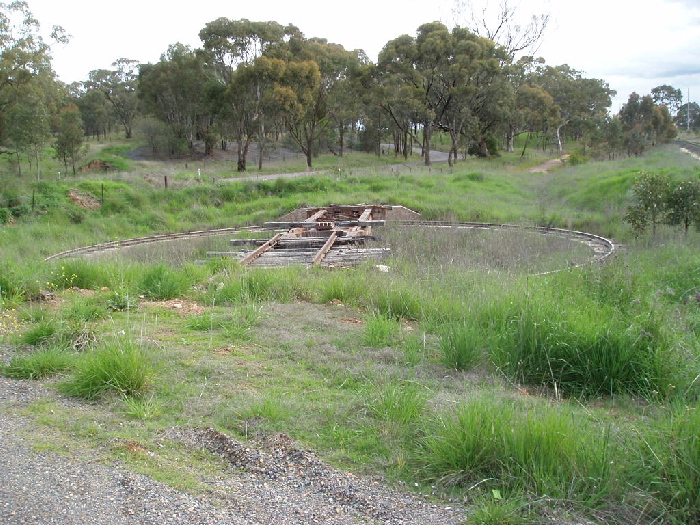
(602, 247)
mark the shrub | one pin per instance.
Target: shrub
(119, 366)
(121, 300)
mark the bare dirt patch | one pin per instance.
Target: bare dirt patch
(180, 306)
(549, 165)
(83, 200)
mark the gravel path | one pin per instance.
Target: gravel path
(271, 482)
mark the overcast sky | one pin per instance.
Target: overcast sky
(632, 45)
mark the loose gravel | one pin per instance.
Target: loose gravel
(268, 482)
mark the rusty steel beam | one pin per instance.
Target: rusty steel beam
(260, 250)
(324, 249)
(316, 216)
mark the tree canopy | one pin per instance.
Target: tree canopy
(252, 80)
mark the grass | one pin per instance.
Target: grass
(119, 366)
(463, 368)
(380, 330)
(39, 364)
(517, 448)
(461, 346)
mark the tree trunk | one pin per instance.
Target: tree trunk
(309, 157)
(426, 142)
(558, 135)
(243, 146)
(19, 165)
(510, 139)
(527, 139)
(341, 133)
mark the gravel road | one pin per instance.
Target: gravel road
(272, 482)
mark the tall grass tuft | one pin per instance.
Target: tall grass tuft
(669, 463)
(260, 285)
(683, 465)
(120, 366)
(398, 300)
(462, 345)
(379, 330)
(41, 333)
(400, 402)
(519, 447)
(43, 363)
(581, 350)
(162, 282)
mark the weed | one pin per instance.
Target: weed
(142, 408)
(121, 300)
(494, 509)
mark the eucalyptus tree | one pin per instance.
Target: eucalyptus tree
(174, 90)
(346, 97)
(644, 123)
(95, 110)
(480, 87)
(232, 47)
(28, 127)
(399, 95)
(70, 136)
(577, 97)
(264, 73)
(315, 70)
(503, 23)
(668, 95)
(28, 87)
(533, 109)
(449, 80)
(120, 88)
(412, 69)
(688, 116)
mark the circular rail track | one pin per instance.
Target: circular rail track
(602, 248)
